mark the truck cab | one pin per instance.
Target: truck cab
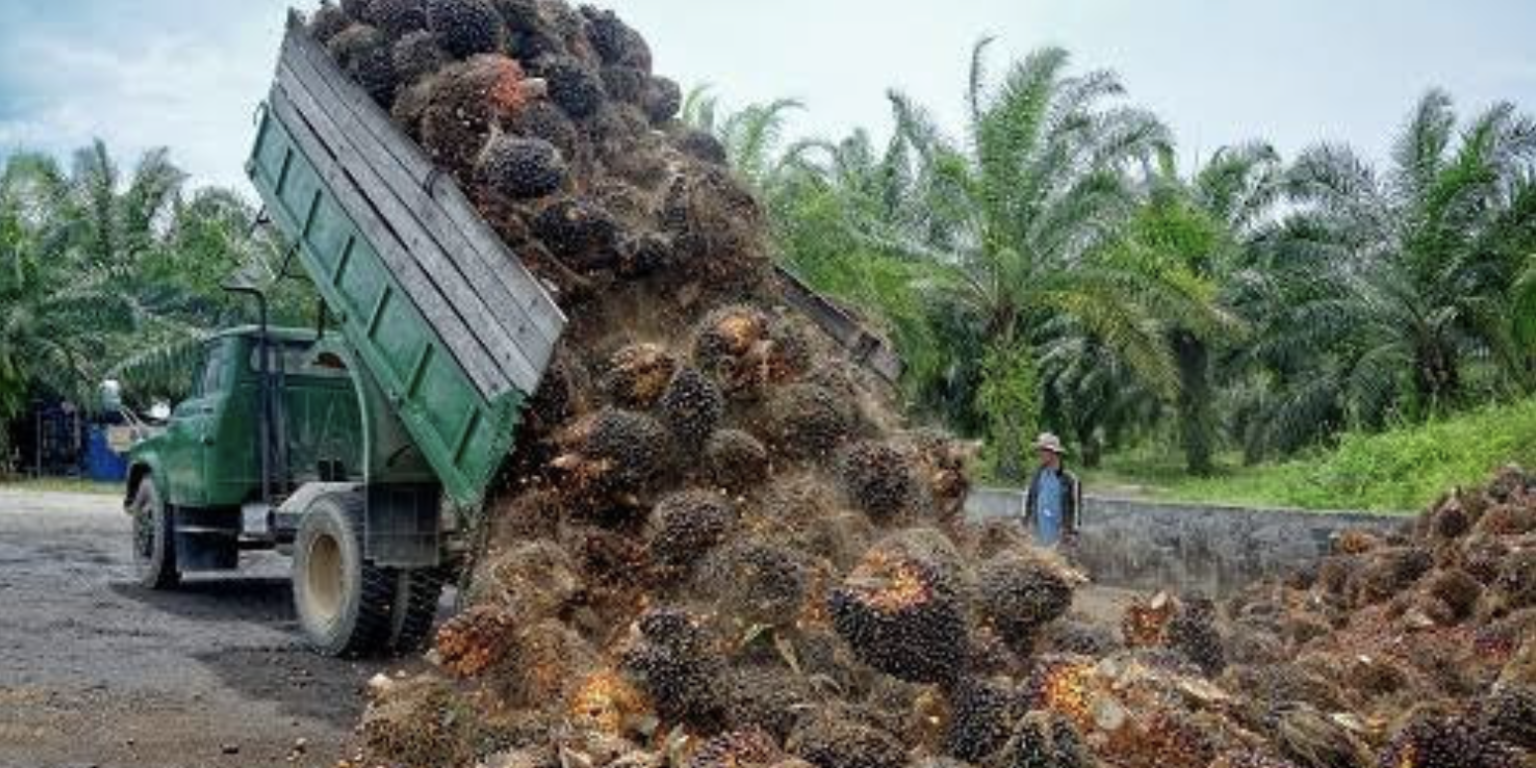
(272, 455)
(209, 456)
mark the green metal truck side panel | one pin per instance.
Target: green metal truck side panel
(463, 435)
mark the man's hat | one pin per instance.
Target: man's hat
(1049, 442)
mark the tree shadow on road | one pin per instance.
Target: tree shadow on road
(258, 600)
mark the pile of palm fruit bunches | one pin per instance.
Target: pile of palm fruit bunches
(717, 545)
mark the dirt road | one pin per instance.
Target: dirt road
(95, 671)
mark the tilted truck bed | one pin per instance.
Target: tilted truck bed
(452, 327)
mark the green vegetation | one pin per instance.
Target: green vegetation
(105, 274)
(1403, 469)
(1053, 268)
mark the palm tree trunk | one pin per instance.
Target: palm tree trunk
(1436, 374)
(1196, 422)
(1009, 399)
(1090, 447)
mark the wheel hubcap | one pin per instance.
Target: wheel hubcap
(323, 576)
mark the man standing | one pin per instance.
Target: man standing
(1054, 501)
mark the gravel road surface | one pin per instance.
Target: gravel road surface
(96, 671)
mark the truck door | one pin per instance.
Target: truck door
(192, 429)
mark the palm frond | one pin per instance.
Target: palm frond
(1420, 148)
(700, 108)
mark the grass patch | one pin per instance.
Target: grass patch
(1402, 470)
(62, 485)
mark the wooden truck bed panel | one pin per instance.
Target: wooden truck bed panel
(516, 323)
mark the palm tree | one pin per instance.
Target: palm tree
(1022, 218)
(1198, 230)
(59, 306)
(1399, 294)
(104, 274)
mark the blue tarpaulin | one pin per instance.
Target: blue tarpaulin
(102, 464)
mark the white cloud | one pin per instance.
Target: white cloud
(194, 94)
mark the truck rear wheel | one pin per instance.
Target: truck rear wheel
(416, 596)
(345, 604)
(154, 539)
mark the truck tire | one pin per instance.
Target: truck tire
(345, 604)
(154, 539)
(417, 591)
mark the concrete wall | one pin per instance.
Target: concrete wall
(1217, 549)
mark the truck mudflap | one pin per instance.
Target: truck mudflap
(402, 524)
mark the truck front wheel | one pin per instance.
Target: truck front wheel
(154, 541)
(345, 604)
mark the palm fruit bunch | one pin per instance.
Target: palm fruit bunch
(717, 541)
(416, 55)
(834, 738)
(421, 721)
(878, 479)
(365, 53)
(1192, 632)
(637, 375)
(1020, 594)
(607, 703)
(529, 581)
(767, 698)
(1427, 741)
(687, 525)
(735, 460)
(983, 713)
(1145, 623)
(748, 351)
(573, 85)
(1509, 715)
(1044, 739)
(737, 749)
(467, 100)
(1387, 572)
(809, 422)
(902, 615)
(691, 408)
(521, 168)
(397, 17)
(671, 660)
(477, 640)
(1066, 686)
(615, 450)
(466, 27)
(758, 580)
(327, 21)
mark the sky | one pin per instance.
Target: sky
(188, 74)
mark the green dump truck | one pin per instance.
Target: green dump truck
(340, 444)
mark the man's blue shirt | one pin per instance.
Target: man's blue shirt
(1048, 509)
